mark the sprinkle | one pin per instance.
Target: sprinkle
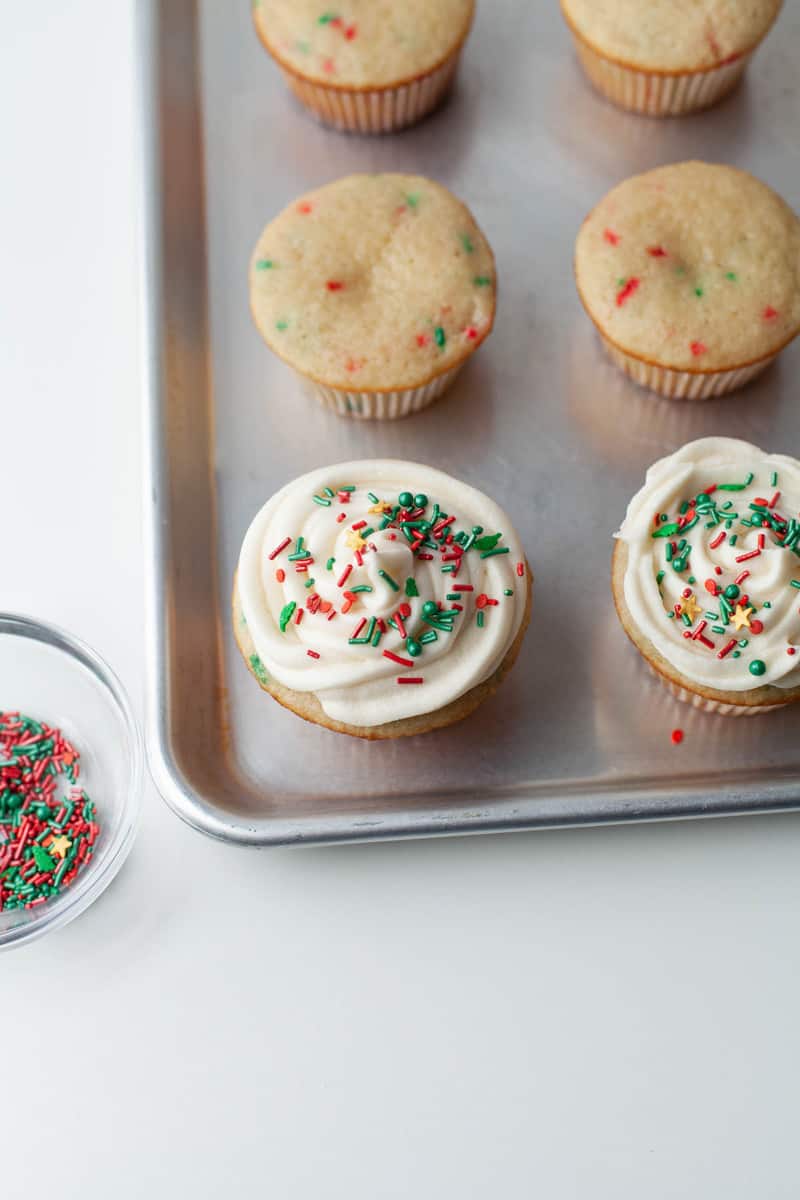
(466, 242)
(718, 540)
(676, 736)
(342, 580)
(758, 667)
(334, 285)
(773, 479)
(321, 500)
(403, 662)
(328, 65)
(769, 313)
(470, 333)
(305, 207)
(440, 336)
(656, 252)
(350, 32)
(279, 549)
(298, 616)
(698, 348)
(731, 275)
(388, 579)
(480, 620)
(612, 238)
(264, 264)
(627, 291)
(328, 18)
(521, 569)
(795, 583)
(329, 564)
(411, 587)
(280, 574)
(409, 678)
(423, 339)
(495, 550)
(482, 281)
(312, 654)
(726, 649)
(744, 557)
(362, 587)
(286, 615)
(698, 291)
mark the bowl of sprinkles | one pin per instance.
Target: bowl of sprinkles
(70, 778)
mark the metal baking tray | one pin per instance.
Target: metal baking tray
(579, 733)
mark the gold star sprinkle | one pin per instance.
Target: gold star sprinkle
(690, 607)
(741, 618)
(354, 540)
(381, 507)
(59, 846)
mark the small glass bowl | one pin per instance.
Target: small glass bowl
(47, 674)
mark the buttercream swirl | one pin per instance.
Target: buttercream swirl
(399, 572)
(713, 568)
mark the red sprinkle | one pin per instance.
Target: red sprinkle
(770, 313)
(305, 207)
(676, 736)
(312, 654)
(280, 574)
(626, 291)
(423, 339)
(470, 333)
(790, 650)
(298, 616)
(698, 348)
(405, 611)
(410, 678)
(718, 540)
(656, 252)
(278, 549)
(334, 285)
(350, 32)
(745, 557)
(342, 580)
(726, 649)
(711, 586)
(756, 627)
(741, 578)
(521, 569)
(328, 65)
(612, 238)
(403, 662)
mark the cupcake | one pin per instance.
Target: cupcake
(376, 289)
(706, 575)
(666, 59)
(369, 66)
(380, 598)
(691, 274)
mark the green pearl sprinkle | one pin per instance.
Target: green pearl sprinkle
(406, 499)
(413, 647)
(420, 500)
(757, 667)
(732, 592)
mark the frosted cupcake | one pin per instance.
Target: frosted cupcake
(376, 289)
(691, 273)
(381, 598)
(706, 575)
(667, 58)
(370, 66)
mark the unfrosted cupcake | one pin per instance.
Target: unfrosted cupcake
(376, 289)
(667, 57)
(706, 575)
(370, 66)
(691, 273)
(381, 598)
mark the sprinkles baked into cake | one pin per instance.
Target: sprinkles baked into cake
(706, 575)
(667, 57)
(376, 289)
(370, 66)
(381, 598)
(691, 273)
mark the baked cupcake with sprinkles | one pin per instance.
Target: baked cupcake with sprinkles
(706, 575)
(376, 289)
(667, 57)
(381, 599)
(368, 66)
(691, 274)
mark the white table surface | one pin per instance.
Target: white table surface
(603, 1013)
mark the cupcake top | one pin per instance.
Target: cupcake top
(373, 282)
(692, 266)
(362, 43)
(671, 35)
(388, 589)
(713, 569)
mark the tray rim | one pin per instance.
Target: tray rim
(518, 807)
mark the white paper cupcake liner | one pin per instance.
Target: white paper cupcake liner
(382, 110)
(380, 406)
(684, 385)
(657, 95)
(704, 704)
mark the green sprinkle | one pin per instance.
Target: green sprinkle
(757, 667)
(795, 583)
(453, 596)
(482, 281)
(378, 636)
(736, 654)
(692, 579)
(698, 291)
(412, 199)
(411, 587)
(733, 487)
(731, 275)
(749, 479)
(487, 543)
(744, 642)
(717, 628)
(450, 568)
(42, 859)
(497, 550)
(281, 325)
(264, 264)
(373, 499)
(665, 531)
(440, 336)
(258, 668)
(326, 18)
(711, 616)
(309, 583)
(362, 587)
(387, 577)
(328, 492)
(286, 615)
(506, 592)
(773, 478)
(329, 564)
(479, 620)
(321, 500)
(466, 242)
(767, 604)
(660, 576)
(732, 539)
(430, 635)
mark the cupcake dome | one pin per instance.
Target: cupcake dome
(692, 267)
(374, 282)
(672, 35)
(362, 43)
(373, 594)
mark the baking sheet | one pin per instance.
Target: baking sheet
(579, 733)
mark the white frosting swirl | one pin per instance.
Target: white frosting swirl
(357, 683)
(721, 543)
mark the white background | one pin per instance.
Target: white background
(605, 1013)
